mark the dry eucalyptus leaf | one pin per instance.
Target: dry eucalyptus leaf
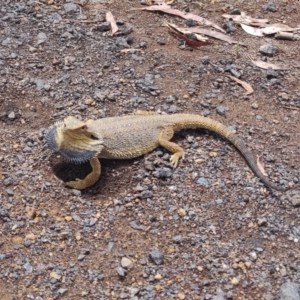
(260, 166)
(247, 20)
(252, 30)
(110, 18)
(266, 65)
(277, 27)
(176, 12)
(215, 34)
(244, 84)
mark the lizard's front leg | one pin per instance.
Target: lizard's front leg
(164, 140)
(90, 179)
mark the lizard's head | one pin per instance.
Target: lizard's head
(73, 140)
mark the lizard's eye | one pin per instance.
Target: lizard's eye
(83, 128)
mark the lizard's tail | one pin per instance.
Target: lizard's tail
(196, 121)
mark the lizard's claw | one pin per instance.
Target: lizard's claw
(175, 159)
(77, 184)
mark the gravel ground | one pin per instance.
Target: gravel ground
(206, 230)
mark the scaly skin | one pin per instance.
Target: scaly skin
(131, 136)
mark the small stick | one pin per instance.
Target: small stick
(291, 107)
(287, 36)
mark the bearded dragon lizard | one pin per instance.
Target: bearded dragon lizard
(131, 136)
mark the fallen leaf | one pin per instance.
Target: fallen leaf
(176, 12)
(110, 18)
(260, 166)
(277, 27)
(215, 34)
(266, 65)
(129, 49)
(244, 84)
(186, 32)
(252, 30)
(247, 20)
(190, 42)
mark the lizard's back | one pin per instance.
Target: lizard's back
(130, 136)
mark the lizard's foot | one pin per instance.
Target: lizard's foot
(90, 179)
(78, 184)
(175, 159)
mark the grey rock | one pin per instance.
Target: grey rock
(111, 97)
(70, 7)
(137, 225)
(190, 23)
(126, 263)
(170, 99)
(219, 201)
(135, 101)
(122, 43)
(6, 42)
(27, 149)
(39, 84)
(295, 200)
(11, 115)
(63, 78)
(42, 37)
(76, 192)
(262, 221)
(2, 256)
(178, 239)
(146, 194)
(27, 243)
(56, 17)
(275, 81)
(253, 256)
(161, 42)
(229, 27)
(94, 274)
(62, 291)
(136, 57)
(289, 291)
(156, 256)
(163, 173)
(203, 181)
(4, 213)
(270, 6)
(7, 181)
(172, 109)
(133, 291)
(81, 257)
(121, 271)
(100, 96)
(205, 60)
(10, 192)
(268, 50)
(28, 267)
(105, 26)
(271, 73)
(235, 73)
(221, 110)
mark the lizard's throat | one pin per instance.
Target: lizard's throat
(73, 147)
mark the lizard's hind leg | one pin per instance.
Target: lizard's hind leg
(90, 179)
(164, 140)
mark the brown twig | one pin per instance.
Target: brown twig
(291, 107)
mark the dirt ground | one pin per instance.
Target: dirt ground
(206, 230)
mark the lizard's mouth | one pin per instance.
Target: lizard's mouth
(73, 147)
